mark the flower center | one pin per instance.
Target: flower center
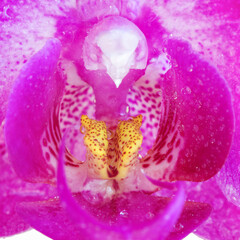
(111, 153)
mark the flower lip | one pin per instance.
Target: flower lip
(111, 157)
(116, 45)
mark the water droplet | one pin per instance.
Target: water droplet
(150, 215)
(6, 11)
(110, 134)
(124, 110)
(159, 93)
(124, 213)
(175, 64)
(82, 129)
(178, 227)
(238, 89)
(164, 49)
(186, 90)
(195, 128)
(213, 140)
(175, 95)
(190, 68)
(127, 109)
(218, 203)
(7, 210)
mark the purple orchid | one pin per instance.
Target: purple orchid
(119, 111)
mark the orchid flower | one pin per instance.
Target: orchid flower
(120, 119)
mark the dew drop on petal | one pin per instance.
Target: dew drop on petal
(186, 90)
(110, 135)
(7, 210)
(238, 89)
(159, 93)
(175, 96)
(218, 203)
(124, 213)
(190, 68)
(178, 227)
(150, 215)
(124, 110)
(195, 128)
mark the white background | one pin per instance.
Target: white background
(34, 235)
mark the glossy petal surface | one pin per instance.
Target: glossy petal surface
(213, 31)
(33, 97)
(206, 116)
(194, 96)
(51, 219)
(13, 191)
(223, 223)
(25, 28)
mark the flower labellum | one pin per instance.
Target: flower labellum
(112, 157)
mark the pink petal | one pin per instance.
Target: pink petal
(25, 27)
(229, 176)
(35, 93)
(193, 215)
(225, 38)
(213, 31)
(50, 218)
(196, 126)
(13, 191)
(208, 147)
(223, 223)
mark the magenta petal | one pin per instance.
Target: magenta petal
(196, 126)
(193, 215)
(50, 218)
(224, 222)
(10, 222)
(13, 191)
(34, 94)
(205, 113)
(160, 227)
(229, 176)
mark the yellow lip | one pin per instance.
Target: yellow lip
(111, 154)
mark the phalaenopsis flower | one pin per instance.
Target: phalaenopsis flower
(113, 112)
